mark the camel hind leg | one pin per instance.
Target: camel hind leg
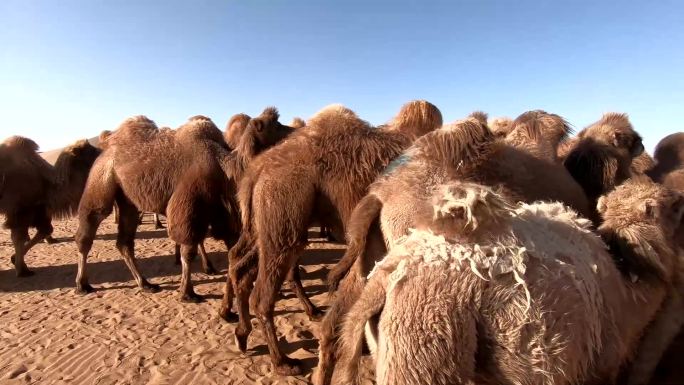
(187, 293)
(20, 238)
(125, 242)
(309, 308)
(207, 266)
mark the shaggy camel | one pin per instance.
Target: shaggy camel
(602, 155)
(467, 151)
(319, 173)
(539, 133)
(193, 183)
(527, 295)
(32, 191)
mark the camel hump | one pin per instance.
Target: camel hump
(418, 117)
(21, 142)
(200, 127)
(537, 125)
(481, 116)
(297, 122)
(463, 142)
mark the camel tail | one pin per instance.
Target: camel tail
(370, 304)
(363, 216)
(245, 192)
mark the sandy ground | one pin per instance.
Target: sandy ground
(120, 335)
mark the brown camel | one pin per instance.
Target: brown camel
(32, 191)
(539, 133)
(188, 174)
(318, 173)
(527, 295)
(468, 151)
(602, 155)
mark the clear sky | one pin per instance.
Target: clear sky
(69, 69)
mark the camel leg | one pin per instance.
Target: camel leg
(187, 294)
(266, 288)
(157, 222)
(177, 253)
(309, 308)
(43, 233)
(20, 239)
(243, 276)
(235, 256)
(207, 266)
(125, 243)
(87, 228)
(116, 214)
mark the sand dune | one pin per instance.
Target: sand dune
(119, 335)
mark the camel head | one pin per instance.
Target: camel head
(640, 223)
(462, 211)
(669, 153)
(416, 118)
(234, 129)
(615, 130)
(265, 130)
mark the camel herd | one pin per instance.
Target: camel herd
(499, 251)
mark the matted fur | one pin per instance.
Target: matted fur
(465, 151)
(317, 173)
(535, 299)
(32, 191)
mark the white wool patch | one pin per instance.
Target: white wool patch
(487, 261)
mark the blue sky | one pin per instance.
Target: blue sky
(69, 69)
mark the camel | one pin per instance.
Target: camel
(468, 151)
(669, 155)
(193, 182)
(33, 192)
(601, 156)
(525, 294)
(318, 173)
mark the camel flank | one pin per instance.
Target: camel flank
(32, 191)
(521, 266)
(303, 179)
(465, 151)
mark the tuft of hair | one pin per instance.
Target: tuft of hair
(271, 112)
(539, 124)
(462, 143)
(501, 126)
(21, 142)
(418, 117)
(297, 122)
(479, 115)
(199, 117)
(469, 206)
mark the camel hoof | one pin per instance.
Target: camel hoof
(289, 367)
(25, 272)
(84, 289)
(241, 341)
(192, 298)
(150, 288)
(227, 315)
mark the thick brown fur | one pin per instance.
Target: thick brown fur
(466, 151)
(319, 173)
(297, 123)
(602, 155)
(529, 295)
(32, 191)
(539, 133)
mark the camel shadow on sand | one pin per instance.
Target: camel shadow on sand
(115, 271)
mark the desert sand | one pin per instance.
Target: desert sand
(120, 335)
